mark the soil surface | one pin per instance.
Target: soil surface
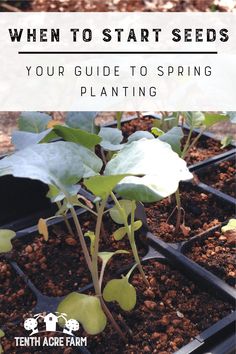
(168, 314)
(117, 5)
(16, 300)
(221, 176)
(204, 149)
(58, 267)
(202, 211)
(217, 254)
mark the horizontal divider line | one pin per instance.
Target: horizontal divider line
(119, 52)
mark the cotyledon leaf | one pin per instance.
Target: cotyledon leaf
(102, 186)
(121, 291)
(5, 240)
(86, 309)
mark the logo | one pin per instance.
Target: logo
(41, 323)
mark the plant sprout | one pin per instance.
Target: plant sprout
(130, 174)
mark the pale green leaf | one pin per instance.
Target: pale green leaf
(226, 141)
(230, 226)
(195, 119)
(137, 225)
(22, 139)
(86, 310)
(77, 136)
(5, 240)
(106, 256)
(162, 170)
(121, 291)
(173, 137)
(2, 334)
(82, 120)
(140, 134)
(34, 122)
(61, 164)
(102, 186)
(111, 139)
(232, 116)
(119, 233)
(115, 213)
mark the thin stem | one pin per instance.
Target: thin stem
(81, 238)
(195, 141)
(111, 319)
(96, 243)
(133, 244)
(66, 220)
(130, 233)
(178, 205)
(186, 146)
(94, 271)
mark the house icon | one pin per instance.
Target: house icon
(51, 322)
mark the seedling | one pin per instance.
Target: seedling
(131, 174)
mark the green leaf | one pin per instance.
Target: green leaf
(106, 256)
(211, 119)
(140, 135)
(86, 310)
(230, 226)
(137, 225)
(34, 122)
(61, 164)
(56, 195)
(77, 136)
(22, 139)
(2, 334)
(173, 137)
(102, 186)
(119, 233)
(91, 235)
(195, 119)
(157, 132)
(111, 139)
(82, 120)
(226, 141)
(121, 291)
(115, 213)
(232, 116)
(162, 170)
(5, 240)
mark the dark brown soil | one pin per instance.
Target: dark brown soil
(167, 316)
(221, 176)
(217, 254)
(202, 211)
(204, 149)
(15, 299)
(58, 267)
(144, 123)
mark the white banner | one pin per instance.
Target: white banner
(117, 61)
